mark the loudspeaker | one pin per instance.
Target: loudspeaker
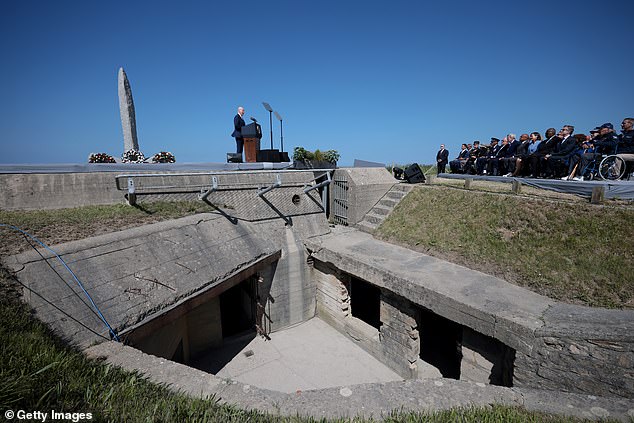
(272, 156)
(284, 156)
(234, 158)
(413, 174)
(398, 172)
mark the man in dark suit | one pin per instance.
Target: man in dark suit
(442, 158)
(560, 158)
(238, 123)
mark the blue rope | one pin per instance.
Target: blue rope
(112, 332)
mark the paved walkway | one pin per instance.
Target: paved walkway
(309, 356)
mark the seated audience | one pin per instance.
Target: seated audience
(457, 164)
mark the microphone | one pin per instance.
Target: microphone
(253, 119)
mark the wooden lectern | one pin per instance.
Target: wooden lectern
(251, 134)
(251, 147)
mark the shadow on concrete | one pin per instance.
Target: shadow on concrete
(214, 359)
(230, 218)
(287, 219)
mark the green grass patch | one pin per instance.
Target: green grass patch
(572, 252)
(63, 225)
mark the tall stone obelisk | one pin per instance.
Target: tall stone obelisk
(128, 119)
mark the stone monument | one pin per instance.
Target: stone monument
(128, 119)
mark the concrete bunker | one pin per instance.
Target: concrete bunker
(411, 339)
(490, 336)
(216, 323)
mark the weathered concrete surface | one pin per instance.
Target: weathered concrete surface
(134, 274)
(237, 192)
(366, 186)
(383, 207)
(137, 274)
(366, 400)
(554, 342)
(36, 191)
(128, 115)
(308, 356)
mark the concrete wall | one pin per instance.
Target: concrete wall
(366, 186)
(196, 332)
(554, 346)
(237, 192)
(395, 344)
(57, 191)
(141, 274)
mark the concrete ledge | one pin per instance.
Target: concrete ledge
(367, 400)
(558, 346)
(55, 190)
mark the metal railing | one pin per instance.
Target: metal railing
(128, 182)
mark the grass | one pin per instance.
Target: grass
(38, 372)
(63, 225)
(570, 251)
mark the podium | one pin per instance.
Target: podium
(251, 134)
(251, 148)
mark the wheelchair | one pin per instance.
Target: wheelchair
(613, 167)
(607, 166)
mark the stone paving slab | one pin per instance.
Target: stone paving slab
(308, 356)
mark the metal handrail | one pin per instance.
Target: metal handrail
(321, 184)
(276, 184)
(234, 172)
(133, 191)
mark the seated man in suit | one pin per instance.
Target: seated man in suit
(474, 152)
(457, 164)
(558, 161)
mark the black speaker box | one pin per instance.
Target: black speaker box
(413, 174)
(284, 156)
(272, 156)
(234, 158)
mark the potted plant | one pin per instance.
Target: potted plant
(304, 159)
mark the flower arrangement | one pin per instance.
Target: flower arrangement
(163, 157)
(133, 156)
(101, 158)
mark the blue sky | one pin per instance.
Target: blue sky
(378, 81)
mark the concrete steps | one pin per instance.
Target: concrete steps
(383, 208)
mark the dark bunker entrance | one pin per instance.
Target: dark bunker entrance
(206, 331)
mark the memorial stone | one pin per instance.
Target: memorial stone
(128, 119)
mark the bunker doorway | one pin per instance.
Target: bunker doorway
(238, 309)
(441, 343)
